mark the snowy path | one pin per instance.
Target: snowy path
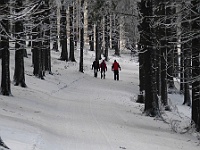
(91, 119)
(75, 111)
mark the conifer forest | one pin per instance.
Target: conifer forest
(163, 34)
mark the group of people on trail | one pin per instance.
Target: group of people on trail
(103, 68)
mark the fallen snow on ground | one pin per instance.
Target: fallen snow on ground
(70, 110)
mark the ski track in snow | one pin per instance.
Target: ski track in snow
(99, 125)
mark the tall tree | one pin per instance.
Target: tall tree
(116, 34)
(97, 35)
(46, 36)
(82, 36)
(195, 65)
(38, 53)
(4, 46)
(90, 31)
(19, 77)
(146, 40)
(71, 26)
(162, 46)
(186, 51)
(54, 34)
(63, 33)
(106, 28)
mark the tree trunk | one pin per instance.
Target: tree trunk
(82, 36)
(106, 37)
(38, 52)
(187, 64)
(162, 48)
(141, 72)
(4, 44)
(186, 47)
(71, 26)
(195, 69)
(54, 30)
(181, 72)
(97, 35)
(91, 33)
(113, 24)
(116, 35)
(63, 34)
(151, 104)
(196, 83)
(141, 59)
(46, 36)
(170, 30)
(19, 77)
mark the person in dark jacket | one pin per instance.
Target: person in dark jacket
(96, 68)
(115, 68)
(103, 68)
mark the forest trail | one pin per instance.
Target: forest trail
(70, 110)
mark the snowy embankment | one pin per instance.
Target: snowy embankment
(75, 111)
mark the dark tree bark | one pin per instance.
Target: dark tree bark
(46, 36)
(170, 30)
(63, 34)
(19, 77)
(113, 24)
(196, 83)
(54, 30)
(195, 68)
(71, 25)
(163, 77)
(106, 37)
(3, 144)
(98, 51)
(186, 48)
(91, 33)
(76, 28)
(115, 34)
(181, 72)
(82, 37)
(141, 58)
(151, 103)
(141, 72)
(5, 78)
(162, 45)
(187, 64)
(38, 52)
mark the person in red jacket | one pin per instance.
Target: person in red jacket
(103, 68)
(115, 68)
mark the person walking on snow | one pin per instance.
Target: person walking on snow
(103, 68)
(96, 68)
(115, 68)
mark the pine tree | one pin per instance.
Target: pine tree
(71, 26)
(63, 33)
(46, 36)
(19, 77)
(54, 24)
(195, 65)
(106, 27)
(151, 103)
(82, 36)
(4, 45)
(37, 52)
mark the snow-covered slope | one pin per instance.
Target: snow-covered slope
(70, 110)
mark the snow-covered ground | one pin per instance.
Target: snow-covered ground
(70, 110)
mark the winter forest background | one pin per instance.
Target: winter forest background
(162, 35)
